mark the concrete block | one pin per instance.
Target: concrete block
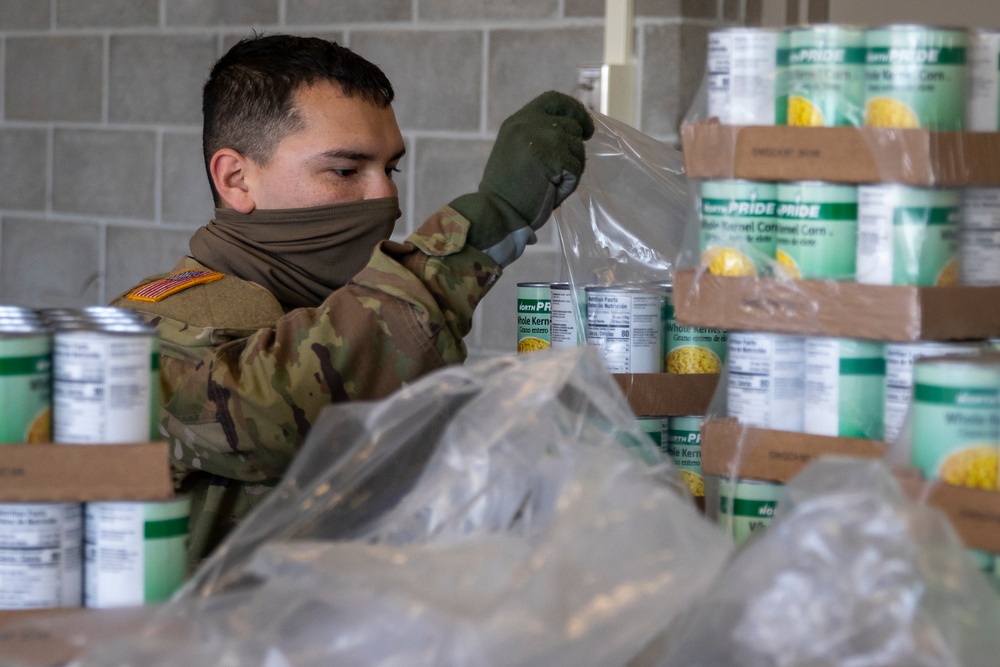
(187, 197)
(436, 75)
(104, 172)
(673, 66)
(48, 264)
(53, 78)
(25, 15)
(700, 9)
(310, 12)
(107, 13)
(221, 12)
(731, 10)
(229, 41)
(584, 8)
(445, 169)
(158, 79)
(466, 10)
(524, 63)
(132, 254)
(22, 168)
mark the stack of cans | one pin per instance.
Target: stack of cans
(85, 377)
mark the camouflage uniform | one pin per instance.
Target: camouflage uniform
(243, 381)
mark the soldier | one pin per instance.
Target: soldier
(293, 297)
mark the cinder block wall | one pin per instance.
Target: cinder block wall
(101, 174)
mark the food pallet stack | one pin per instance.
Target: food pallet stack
(87, 513)
(845, 256)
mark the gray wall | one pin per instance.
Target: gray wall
(101, 177)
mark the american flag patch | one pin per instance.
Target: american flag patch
(175, 282)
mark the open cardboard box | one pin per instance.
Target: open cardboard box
(840, 154)
(829, 308)
(667, 394)
(731, 450)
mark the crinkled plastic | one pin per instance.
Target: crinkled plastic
(509, 512)
(851, 573)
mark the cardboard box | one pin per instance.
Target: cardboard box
(828, 308)
(729, 449)
(83, 473)
(840, 154)
(667, 394)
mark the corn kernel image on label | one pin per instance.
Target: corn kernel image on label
(534, 312)
(915, 76)
(683, 446)
(826, 76)
(817, 230)
(956, 421)
(737, 235)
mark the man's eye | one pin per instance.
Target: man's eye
(344, 173)
(391, 170)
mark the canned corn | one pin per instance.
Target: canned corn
(738, 225)
(103, 383)
(979, 240)
(956, 421)
(40, 555)
(534, 307)
(915, 77)
(136, 552)
(566, 324)
(746, 506)
(826, 76)
(983, 110)
(817, 230)
(624, 324)
(844, 387)
(653, 427)
(907, 235)
(781, 79)
(683, 446)
(741, 72)
(25, 382)
(692, 349)
(899, 361)
(766, 380)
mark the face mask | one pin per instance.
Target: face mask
(300, 255)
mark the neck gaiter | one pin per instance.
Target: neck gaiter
(300, 255)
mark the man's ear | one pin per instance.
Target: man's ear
(229, 171)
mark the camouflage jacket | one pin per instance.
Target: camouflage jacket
(242, 381)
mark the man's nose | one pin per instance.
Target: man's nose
(381, 186)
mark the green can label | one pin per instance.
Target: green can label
(915, 77)
(817, 230)
(781, 80)
(684, 449)
(534, 313)
(826, 76)
(136, 552)
(26, 389)
(653, 427)
(845, 385)
(692, 349)
(956, 422)
(738, 227)
(746, 506)
(907, 236)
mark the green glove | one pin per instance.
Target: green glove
(535, 164)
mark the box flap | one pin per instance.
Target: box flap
(829, 308)
(82, 473)
(841, 154)
(667, 394)
(729, 449)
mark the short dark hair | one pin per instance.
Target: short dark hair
(247, 101)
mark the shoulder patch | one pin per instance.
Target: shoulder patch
(175, 282)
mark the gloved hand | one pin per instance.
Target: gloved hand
(535, 164)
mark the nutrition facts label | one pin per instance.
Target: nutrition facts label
(741, 76)
(875, 212)
(40, 555)
(766, 380)
(102, 388)
(115, 559)
(821, 409)
(625, 327)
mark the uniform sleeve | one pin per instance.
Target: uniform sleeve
(242, 408)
